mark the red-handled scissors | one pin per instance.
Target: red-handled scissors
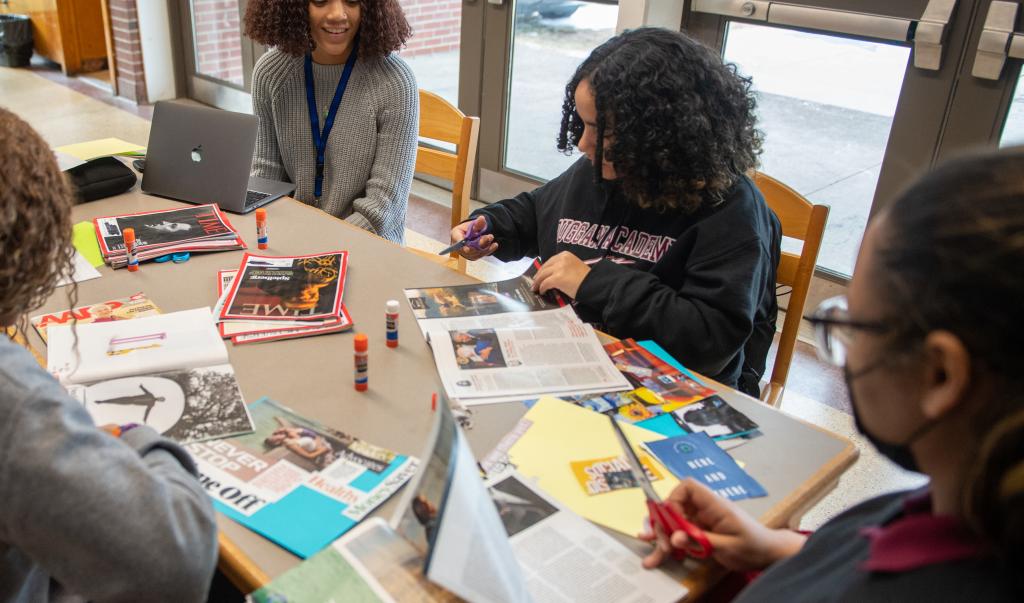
(661, 514)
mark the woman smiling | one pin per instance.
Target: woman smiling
(337, 109)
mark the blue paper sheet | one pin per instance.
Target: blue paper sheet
(696, 455)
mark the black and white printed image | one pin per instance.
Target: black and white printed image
(715, 417)
(518, 506)
(185, 405)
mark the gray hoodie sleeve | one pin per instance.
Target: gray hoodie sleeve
(107, 519)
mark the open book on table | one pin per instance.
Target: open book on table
(505, 541)
(168, 371)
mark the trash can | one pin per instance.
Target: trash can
(15, 40)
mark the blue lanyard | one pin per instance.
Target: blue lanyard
(320, 138)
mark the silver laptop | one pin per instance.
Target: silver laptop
(203, 155)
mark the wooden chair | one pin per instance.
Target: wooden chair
(803, 221)
(442, 121)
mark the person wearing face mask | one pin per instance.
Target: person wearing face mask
(657, 232)
(338, 111)
(930, 343)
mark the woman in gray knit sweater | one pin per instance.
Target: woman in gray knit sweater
(355, 161)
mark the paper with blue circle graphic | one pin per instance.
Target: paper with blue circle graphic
(295, 481)
(697, 456)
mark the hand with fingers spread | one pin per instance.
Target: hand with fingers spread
(739, 541)
(482, 246)
(564, 272)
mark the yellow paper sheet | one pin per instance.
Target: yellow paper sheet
(99, 148)
(83, 236)
(561, 433)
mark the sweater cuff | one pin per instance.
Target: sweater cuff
(596, 287)
(145, 440)
(360, 220)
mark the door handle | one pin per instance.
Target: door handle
(997, 41)
(927, 33)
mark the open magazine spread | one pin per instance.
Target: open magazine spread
(307, 287)
(124, 308)
(432, 305)
(370, 564)
(194, 228)
(252, 331)
(168, 371)
(295, 481)
(539, 352)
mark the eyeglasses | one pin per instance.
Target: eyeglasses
(833, 329)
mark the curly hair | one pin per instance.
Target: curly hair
(678, 123)
(949, 258)
(35, 219)
(284, 24)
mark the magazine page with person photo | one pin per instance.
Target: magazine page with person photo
(287, 288)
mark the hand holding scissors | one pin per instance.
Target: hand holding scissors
(473, 241)
(661, 515)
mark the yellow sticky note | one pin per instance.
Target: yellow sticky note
(561, 433)
(100, 148)
(83, 237)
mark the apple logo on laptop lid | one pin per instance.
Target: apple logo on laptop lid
(197, 154)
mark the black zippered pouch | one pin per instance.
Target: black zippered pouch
(101, 178)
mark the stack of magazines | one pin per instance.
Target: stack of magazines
(158, 233)
(269, 298)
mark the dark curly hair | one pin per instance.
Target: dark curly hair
(35, 220)
(681, 120)
(284, 24)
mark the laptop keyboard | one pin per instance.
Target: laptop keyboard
(254, 197)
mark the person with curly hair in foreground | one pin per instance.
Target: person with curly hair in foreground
(352, 156)
(87, 515)
(928, 338)
(657, 233)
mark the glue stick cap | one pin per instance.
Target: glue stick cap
(261, 214)
(392, 306)
(129, 235)
(362, 343)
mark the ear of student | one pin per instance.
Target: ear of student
(947, 374)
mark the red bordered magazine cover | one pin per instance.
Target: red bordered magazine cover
(304, 287)
(344, 324)
(164, 228)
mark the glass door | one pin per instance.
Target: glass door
(218, 59)
(532, 49)
(851, 96)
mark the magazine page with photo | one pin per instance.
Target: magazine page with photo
(295, 481)
(304, 287)
(163, 228)
(124, 308)
(433, 305)
(488, 365)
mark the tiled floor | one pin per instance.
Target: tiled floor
(65, 110)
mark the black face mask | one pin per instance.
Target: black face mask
(897, 453)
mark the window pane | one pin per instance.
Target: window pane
(218, 40)
(433, 50)
(550, 39)
(1013, 130)
(825, 105)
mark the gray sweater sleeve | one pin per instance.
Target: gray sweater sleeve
(108, 519)
(266, 161)
(383, 208)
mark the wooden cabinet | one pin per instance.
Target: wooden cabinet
(69, 32)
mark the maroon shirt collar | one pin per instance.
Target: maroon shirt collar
(916, 538)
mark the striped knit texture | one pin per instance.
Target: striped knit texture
(371, 151)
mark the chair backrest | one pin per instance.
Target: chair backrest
(803, 221)
(442, 121)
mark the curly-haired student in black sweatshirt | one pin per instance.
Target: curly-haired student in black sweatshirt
(669, 240)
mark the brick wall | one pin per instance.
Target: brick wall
(435, 25)
(218, 40)
(131, 76)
